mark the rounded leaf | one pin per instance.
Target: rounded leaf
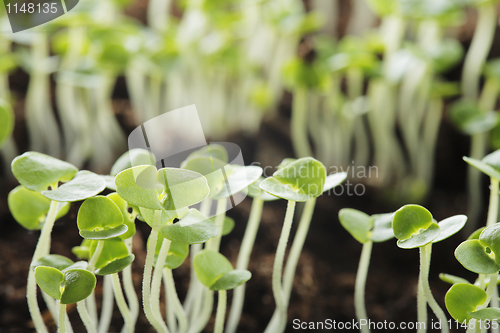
(473, 256)
(238, 179)
(209, 167)
(128, 218)
(86, 184)
(212, 150)
(49, 279)
(409, 219)
(450, 226)
(254, 191)
(300, 180)
(193, 228)
(209, 266)
(100, 218)
(357, 223)
(486, 314)
(131, 158)
(113, 258)
(177, 253)
(53, 260)
(422, 238)
(37, 171)
(231, 280)
(28, 207)
(490, 237)
(491, 170)
(184, 188)
(138, 186)
(463, 298)
(78, 285)
(382, 227)
(334, 180)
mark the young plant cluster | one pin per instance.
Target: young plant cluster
(164, 199)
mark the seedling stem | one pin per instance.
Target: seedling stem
(359, 291)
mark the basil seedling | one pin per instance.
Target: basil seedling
(366, 230)
(216, 272)
(414, 227)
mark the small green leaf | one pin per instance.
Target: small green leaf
(490, 237)
(53, 260)
(452, 279)
(113, 258)
(100, 218)
(238, 179)
(409, 219)
(128, 218)
(357, 223)
(467, 116)
(300, 180)
(231, 280)
(422, 238)
(210, 266)
(110, 182)
(82, 251)
(131, 158)
(450, 226)
(334, 180)
(193, 228)
(86, 184)
(212, 150)
(28, 208)
(6, 121)
(37, 171)
(167, 188)
(183, 187)
(78, 285)
(382, 227)
(463, 298)
(209, 167)
(49, 279)
(177, 253)
(473, 256)
(486, 314)
(116, 265)
(490, 170)
(255, 191)
(228, 225)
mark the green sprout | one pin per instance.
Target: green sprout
(366, 230)
(414, 227)
(41, 173)
(216, 273)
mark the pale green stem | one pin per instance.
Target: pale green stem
(128, 285)
(61, 323)
(214, 243)
(157, 277)
(493, 206)
(478, 50)
(242, 262)
(221, 312)
(106, 305)
(194, 290)
(425, 252)
(84, 315)
(42, 249)
(146, 281)
(277, 287)
(421, 307)
(359, 291)
(172, 295)
(122, 304)
(299, 123)
(92, 307)
(170, 315)
(206, 311)
(95, 256)
(478, 150)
